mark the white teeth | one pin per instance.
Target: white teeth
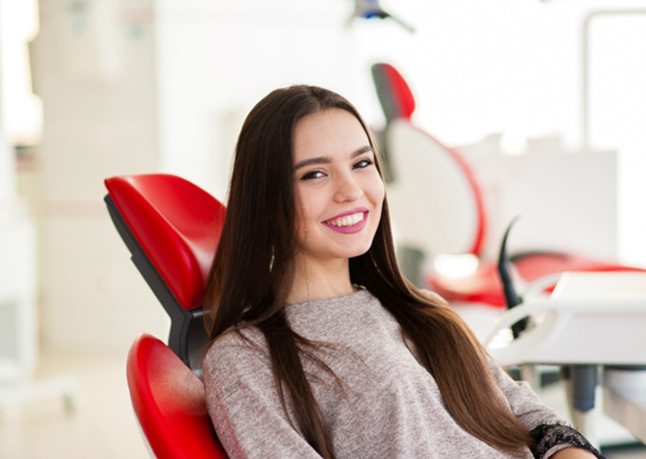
(348, 220)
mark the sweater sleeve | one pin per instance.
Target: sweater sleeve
(551, 433)
(244, 405)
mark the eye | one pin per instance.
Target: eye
(363, 164)
(312, 175)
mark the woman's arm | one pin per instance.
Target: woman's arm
(574, 453)
(552, 435)
(244, 404)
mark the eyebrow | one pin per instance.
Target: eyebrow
(327, 160)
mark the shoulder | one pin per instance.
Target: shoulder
(433, 297)
(239, 337)
(236, 352)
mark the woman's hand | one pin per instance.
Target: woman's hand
(574, 453)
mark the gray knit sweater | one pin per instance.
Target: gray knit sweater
(388, 406)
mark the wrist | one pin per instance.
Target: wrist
(573, 453)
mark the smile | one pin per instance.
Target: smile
(348, 223)
(348, 220)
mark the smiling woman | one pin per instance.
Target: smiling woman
(339, 195)
(320, 347)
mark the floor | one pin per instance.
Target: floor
(102, 425)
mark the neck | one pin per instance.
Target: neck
(318, 281)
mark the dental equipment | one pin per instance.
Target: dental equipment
(370, 9)
(591, 320)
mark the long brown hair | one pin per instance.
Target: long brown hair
(252, 273)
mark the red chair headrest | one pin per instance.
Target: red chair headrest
(177, 225)
(169, 402)
(395, 95)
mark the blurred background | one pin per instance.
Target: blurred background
(95, 88)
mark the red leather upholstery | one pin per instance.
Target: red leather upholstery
(403, 94)
(169, 402)
(167, 211)
(394, 93)
(485, 286)
(177, 225)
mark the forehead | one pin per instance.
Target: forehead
(332, 132)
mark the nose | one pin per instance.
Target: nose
(347, 188)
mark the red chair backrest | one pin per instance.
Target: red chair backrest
(437, 203)
(177, 224)
(172, 228)
(424, 174)
(394, 94)
(169, 402)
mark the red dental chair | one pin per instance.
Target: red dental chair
(171, 228)
(437, 206)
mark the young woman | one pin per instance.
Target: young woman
(320, 346)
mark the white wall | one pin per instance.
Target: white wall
(93, 66)
(617, 114)
(216, 59)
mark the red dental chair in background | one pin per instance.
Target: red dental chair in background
(437, 205)
(171, 228)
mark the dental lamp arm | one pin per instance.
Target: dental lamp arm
(368, 9)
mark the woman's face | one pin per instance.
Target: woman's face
(339, 192)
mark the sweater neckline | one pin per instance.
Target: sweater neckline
(332, 300)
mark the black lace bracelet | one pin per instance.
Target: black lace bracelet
(547, 436)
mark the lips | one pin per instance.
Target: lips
(349, 222)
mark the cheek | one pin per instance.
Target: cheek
(377, 193)
(310, 203)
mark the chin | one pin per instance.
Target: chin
(358, 252)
